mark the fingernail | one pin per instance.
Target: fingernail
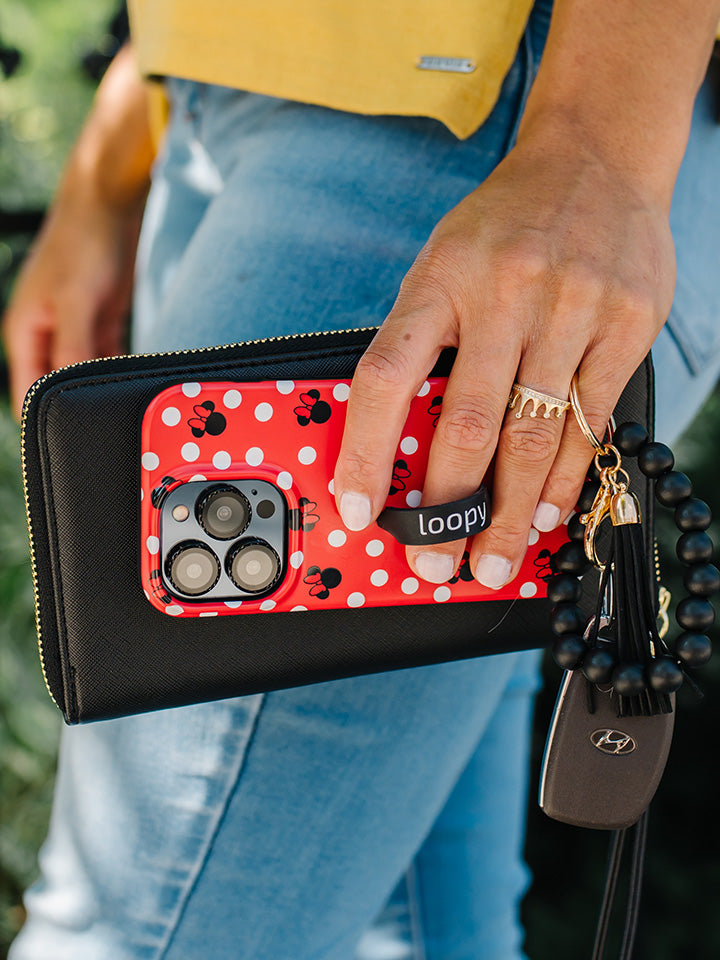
(355, 510)
(546, 517)
(435, 567)
(493, 571)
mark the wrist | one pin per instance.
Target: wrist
(643, 167)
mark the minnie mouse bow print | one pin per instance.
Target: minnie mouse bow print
(206, 420)
(313, 409)
(322, 581)
(400, 474)
(303, 516)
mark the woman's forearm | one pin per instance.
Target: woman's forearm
(623, 75)
(114, 152)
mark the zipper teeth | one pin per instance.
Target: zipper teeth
(81, 363)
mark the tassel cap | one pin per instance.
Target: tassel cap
(624, 508)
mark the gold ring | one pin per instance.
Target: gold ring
(536, 399)
(587, 430)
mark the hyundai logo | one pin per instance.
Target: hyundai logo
(614, 742)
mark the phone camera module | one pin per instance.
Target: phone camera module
(223, 512)
(253, 565)
(192, 568)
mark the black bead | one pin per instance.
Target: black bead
(598, 664)
(692, 514)
(702, 579)
(694, 649)
(654, 459)
(629, 438)
(628, 679)
(694, 613)
(568, 650)
(664, 675)
(694, 547)
(570, 558)
(565, 588)
(587, 495)
(575, 529)
(672, 488)
(566, 618)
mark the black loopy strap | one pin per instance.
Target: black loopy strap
(634, 889)
(443, 523)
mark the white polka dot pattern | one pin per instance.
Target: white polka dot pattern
(413, 498)
(171, 416)
(232, 399)
(221, 460)
(409, 445)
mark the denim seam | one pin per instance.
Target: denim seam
(202, 859)
(417, 936)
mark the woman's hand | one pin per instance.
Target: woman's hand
(558, 263)
(72, 296)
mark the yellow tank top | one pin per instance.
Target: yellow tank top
(401, 57)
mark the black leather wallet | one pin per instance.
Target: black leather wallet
(106, 652)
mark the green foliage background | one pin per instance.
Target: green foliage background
(41, 109)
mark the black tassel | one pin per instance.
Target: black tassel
(630, 636)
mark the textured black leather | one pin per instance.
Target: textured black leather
(107, 652)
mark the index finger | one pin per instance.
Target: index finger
(387, 377)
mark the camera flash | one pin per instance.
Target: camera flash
(180, 512)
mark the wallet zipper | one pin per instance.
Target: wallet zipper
(81, 363)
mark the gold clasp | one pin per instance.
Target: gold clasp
(612, 499)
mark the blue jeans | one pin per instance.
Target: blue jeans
(372, 818)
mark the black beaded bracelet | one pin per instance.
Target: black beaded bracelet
(621, 646)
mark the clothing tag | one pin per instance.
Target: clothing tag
(446, 64)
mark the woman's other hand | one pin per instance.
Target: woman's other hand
(72, 295)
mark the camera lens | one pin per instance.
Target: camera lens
(193, 568)
(253, 565)
(223, 512)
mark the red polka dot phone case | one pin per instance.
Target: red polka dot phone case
(238, 514)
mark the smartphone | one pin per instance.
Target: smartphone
(238, 514)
